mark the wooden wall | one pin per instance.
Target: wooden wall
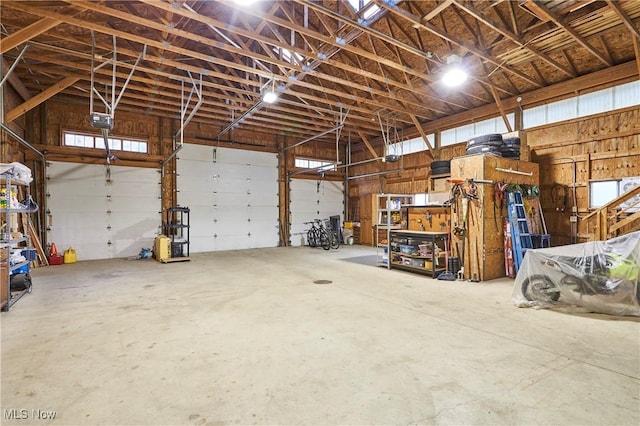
(603, 146)
(600, 147)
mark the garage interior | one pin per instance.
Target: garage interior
(162, 163)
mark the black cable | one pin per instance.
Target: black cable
(560, 193)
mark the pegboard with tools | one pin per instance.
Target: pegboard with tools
(477, 235)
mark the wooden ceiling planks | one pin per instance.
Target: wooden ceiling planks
(390, 65)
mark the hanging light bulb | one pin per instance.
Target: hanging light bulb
(455, 75)
(270, 96)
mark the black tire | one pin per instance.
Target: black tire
(335, 241)
(510, 153)
(440, 167)
(513, 142)
(483, 149)
(312, 238)
(492, 139)
(325, 240)
(442, 171)
(539, 288)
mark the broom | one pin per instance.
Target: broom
(446, 275)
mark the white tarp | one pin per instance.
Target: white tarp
(598, 276)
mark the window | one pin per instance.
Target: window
(320, 165)
(364, 8)
(622, 96)
(97, 142)
(289, 56)
(409, 146)
(601, 192)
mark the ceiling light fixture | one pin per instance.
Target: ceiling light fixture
(270, 96)
(245, 2)
(455, 74)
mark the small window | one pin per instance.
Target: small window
(601, 192)
(321, 165)
(97, 142)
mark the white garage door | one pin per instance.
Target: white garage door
(233, 197)
(313, 199)
(103, 212)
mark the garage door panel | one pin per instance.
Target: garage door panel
(230, 199)
(80, 208)
(134, 189)
(232, 243)
(312, 199)
(236, 225)
(63, 204)
(195, 153)
(202, 169)
(244, 157)
(80, 187)
(191, 198)
(237, 176)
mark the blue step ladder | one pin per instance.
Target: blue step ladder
(520, 236)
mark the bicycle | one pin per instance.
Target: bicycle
(313, 234)
(334, 241)
(320, 235)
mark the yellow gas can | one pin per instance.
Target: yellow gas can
(70, 255)
(161, 247)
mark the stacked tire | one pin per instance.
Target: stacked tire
(485, 144)
(511, 147)
(440, 167)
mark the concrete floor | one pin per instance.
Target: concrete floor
(248, 338)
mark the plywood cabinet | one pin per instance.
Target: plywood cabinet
(481, 246)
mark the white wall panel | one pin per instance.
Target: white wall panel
(103, 214)
(313, 199)
(233, 197)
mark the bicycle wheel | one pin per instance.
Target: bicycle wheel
(312, 239)
(335, 241)
(324, 239)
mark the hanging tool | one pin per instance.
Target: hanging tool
(446, 275)
(499, 195)
(474, 277)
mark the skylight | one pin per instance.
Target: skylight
(364, 8)
(287, 55)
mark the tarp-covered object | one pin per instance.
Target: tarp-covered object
(598, 276)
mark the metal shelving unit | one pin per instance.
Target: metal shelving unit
(11, 240)
(177, 229)
(389, 216)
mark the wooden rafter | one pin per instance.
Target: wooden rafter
(40, 98)
(468, 8)
(423, 134)
(615, 6)
(456, 41)
(542, 10)
(27, 33)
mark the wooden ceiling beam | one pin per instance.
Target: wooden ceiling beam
(15, 82)
(366, 142)
(458, 42)
(207, 58)
(615, 6)
(436, 10)
(468, 8)
(302, 30)
(39, 98)
(542, 10)
(167, 89)
(425, 138)
(139, 21)
(27, 33)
